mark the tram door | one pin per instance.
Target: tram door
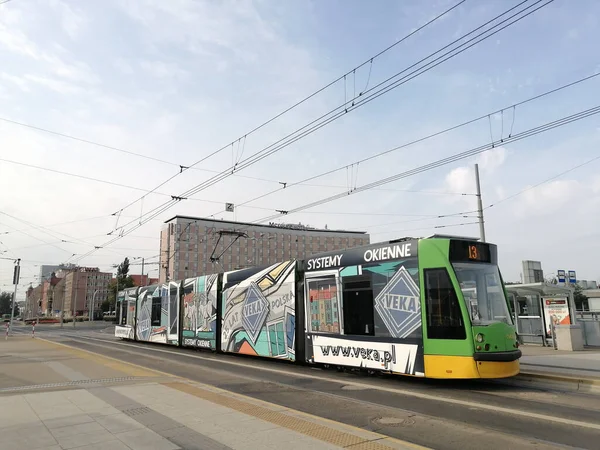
(358, 306)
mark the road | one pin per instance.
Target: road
(435, 414)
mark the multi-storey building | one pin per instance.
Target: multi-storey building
(33, 302)
(84, 288)
(192, 246)
(73, 290)
(46, 270)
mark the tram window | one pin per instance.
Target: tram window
(277, 339)
(357, 300)
(123, 312)
(156, 311)
(323, 305)
(444, 318)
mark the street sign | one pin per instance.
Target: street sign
(572, 277)
(16, 274)
(561, 276)
(229, 207)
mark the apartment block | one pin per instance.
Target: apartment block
(84, 287)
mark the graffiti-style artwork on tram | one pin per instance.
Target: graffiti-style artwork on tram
(158, 313)
(406, 306)
(126, 314)
(258, 311)
(363, 308)
(200, 312)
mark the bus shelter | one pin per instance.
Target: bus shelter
(537, 306)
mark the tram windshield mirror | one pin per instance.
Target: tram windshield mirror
(483, 293)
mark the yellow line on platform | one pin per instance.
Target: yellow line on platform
(332, 435)
(108, 361)
(362, 444)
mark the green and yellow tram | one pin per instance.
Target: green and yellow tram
(433, 307)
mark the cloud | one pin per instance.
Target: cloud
(18, 81)
(123, 66)
(161, 69)
(596, 185)
(461, 180)
(491, 160)
(56, 85)
(73, 21)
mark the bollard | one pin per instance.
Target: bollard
(33, 329)
(6, 338)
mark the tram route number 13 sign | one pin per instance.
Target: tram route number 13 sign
(556, 310)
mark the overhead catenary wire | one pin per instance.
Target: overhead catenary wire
(441, 162)
(231, 170)
(304, 181)
(448, 160)
(51, 233)
(121, 150)
(547, 180)
(420, 140)
(343, 109)
(98, 180)
(270, 150)
(305, 99)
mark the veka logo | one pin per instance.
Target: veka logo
(399, 305)
(254, 312)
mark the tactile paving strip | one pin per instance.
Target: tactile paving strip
(308, 428)
(72, 383)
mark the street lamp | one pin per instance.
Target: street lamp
(93, 305)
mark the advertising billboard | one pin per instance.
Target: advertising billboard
(556, 311)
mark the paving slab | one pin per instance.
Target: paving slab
(56, 397)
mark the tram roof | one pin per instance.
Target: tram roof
(393, 242)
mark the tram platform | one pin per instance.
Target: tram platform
(539, 359)
(546, 367)
(55, 397)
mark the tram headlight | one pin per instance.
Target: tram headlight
(479, 337)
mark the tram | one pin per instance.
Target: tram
(432, 307)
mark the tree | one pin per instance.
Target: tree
(5, 302)
(124, 281)
(581, 300)
(123, 270)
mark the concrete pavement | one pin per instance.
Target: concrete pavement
(584, 363)
(57, 397)
(437, 414)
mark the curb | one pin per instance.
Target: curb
(559, 382)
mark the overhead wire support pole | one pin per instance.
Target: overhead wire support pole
(479, 205)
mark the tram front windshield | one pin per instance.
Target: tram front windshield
(483, 293)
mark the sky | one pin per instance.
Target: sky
(148, 85)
